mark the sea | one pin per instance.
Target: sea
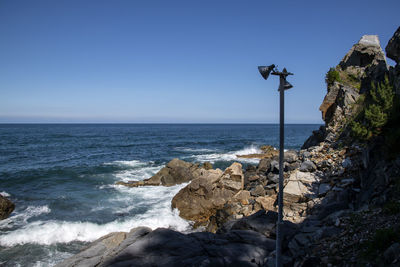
(62, 178)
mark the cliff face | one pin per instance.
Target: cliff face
(364, 64)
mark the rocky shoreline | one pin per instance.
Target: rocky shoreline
(337, 192)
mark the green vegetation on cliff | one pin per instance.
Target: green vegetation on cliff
(377, 109)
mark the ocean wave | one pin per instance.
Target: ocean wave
(194, 150)
(128, 163)
(230, 156)
(137, 174)
(5, 194)
(53, 231)
(21, 218)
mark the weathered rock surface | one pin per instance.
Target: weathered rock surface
(176, 172)
(210, 191)
(6, 207)
(364, 63)
(393, 47)
(393, 52)
(164, 247)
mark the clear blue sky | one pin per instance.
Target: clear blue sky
(175, 61)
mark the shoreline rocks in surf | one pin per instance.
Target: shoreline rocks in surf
(175, 172)
(6, 207)
(266, 151)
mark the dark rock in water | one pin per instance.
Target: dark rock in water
(165, 247)
(176, 172)
(308, 166)
(393, 47)
(6, 207)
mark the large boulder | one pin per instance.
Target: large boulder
(165, 247)
(6, 207)
(176, 172)
(209, 192)
(301, 186)
(393, 47)
(366, 52)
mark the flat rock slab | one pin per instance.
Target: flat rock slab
(165, 247)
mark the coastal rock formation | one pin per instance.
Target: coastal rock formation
(176, 172)
(393, 52)
(266, 152)
(393, 47)
(6, 207)
(165, 247)
(364, 63)
(209, 192)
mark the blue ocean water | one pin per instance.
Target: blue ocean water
(62, 178)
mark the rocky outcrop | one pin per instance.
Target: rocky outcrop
(364, 63)
(210, 191)
(165, 247)
(393, 47)
(6, 207)
(176, 172)
(393, 52)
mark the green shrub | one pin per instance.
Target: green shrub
(332, 76)
(375, 112)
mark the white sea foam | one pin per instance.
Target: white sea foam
(52, 258)
(194, 150)
(5, 194)
(137, 174)
(53, 231)
(230, 156)
(21, 218)
(129, 163)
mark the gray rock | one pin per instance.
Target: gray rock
(258, 191)
(293, 166)
(392, 253)
(165, 247)
(264, 165)
(393, 47)
(308, 166)
(347, 163)
(273, 178)
(275, 166)
(367, 51)
(290, 156)
(323, 189)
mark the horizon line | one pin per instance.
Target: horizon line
(3, 123)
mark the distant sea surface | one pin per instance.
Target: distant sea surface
(62, 178)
